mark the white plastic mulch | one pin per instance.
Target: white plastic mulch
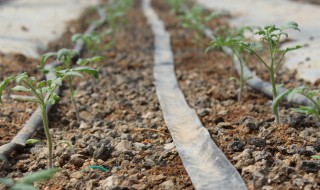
(264, 12)
(28, 26)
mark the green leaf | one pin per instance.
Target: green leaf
(21, 76)
(46, 56)
(277, 100)
(6, 181)
(57, 81)
(32, 141)
(21, 89)
(4, 84)
(88, 70)
(316, 157)
(21, 186)
(40, 84)
(75, 37)
(290, 25)
(38, 176)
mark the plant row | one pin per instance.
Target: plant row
(71, 65)
(269, 43)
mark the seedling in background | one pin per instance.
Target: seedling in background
(195, 19)
(177, 5)
(68, 58)
(313, 96)
(26, 183)
(233, 41)
(115, 12)
(93, 41)
(272, 35)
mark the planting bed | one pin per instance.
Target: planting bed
(123, 129)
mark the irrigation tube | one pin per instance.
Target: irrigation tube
(205, 163)
(35, 120)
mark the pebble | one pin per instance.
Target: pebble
(258, 142)
(167, 185)
(250, 125)
(169, 146)
(103, 152)
(77, 160)
(123, 146)
(77, 175)
(111, 182)
(310, 166)
(225, 125)
(236, 146)
(317, 145)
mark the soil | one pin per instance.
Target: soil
(123, 128)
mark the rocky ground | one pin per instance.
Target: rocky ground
(123, 128)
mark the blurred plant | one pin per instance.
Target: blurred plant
(177, 5)
(26, 183)
(313, 96)
(233, 40)
(69, 57)
(93, 42)
(272, 35)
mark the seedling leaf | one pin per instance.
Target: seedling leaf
(316, 157)
(32, 141)
(21, 89)
(46, 56)
(22, 187)
(38, 176)
(3, 86)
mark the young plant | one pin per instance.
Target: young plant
(233, 39)
(68, 58)
(115, 12)
(195, 19)
(177, 5)
(38, 90)
(313, 96)
(272, 35)
(93, 41)
(26, 183)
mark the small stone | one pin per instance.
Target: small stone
(259, 179)
(84, 125)
(139, 186)
(159, 177)
(77, 160)
(111, 182)
(250, 125)
(225, 125)
(103, 152)
(85, 115)
(124, 145)
(258, 142)
(169, 146)
(317, 145)
(139, 146)
(310, 166)
(308, 151)
(167, 185)
(263, 155)
(245, 155)
(236, 146)
(77, 175)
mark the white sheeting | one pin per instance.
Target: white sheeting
(264, 12)
(28, 26)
